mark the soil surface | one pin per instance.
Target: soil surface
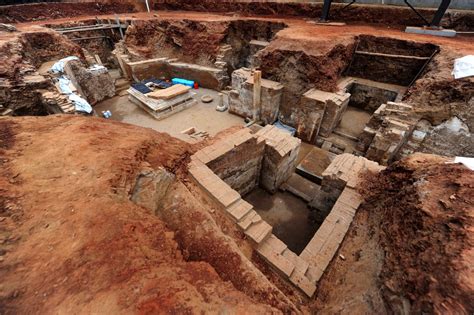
(409, 248)
(380, 14)
(48, 11)
(426, 223)
(72, 241)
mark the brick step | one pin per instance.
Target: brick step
(314, 274)
(251, 218)
(259, 231)
(301, 265)
(271, 250)
(303, 283)
(239, 210)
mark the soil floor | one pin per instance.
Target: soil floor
(353, 121)
(202, 116)
(73, 242)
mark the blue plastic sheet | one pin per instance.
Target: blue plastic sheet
(183, 82)
(64, 85)
(141, 87)
(80, 104)
(284, 127)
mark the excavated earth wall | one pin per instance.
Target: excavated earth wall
(389, 15)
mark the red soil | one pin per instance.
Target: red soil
(72, 241)
(48, 11)
(426, 226)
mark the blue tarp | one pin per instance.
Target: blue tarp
(80, 104)
(183, 82)
(284, 127)
(58, 67)
(141, 87)
(64, 85)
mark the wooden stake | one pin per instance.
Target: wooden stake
(257, 94)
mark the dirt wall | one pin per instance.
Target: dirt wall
(426, 233)
(388, 15)
(48, 11)
(300, 71)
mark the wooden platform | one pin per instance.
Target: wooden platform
(169, 93)
(161, 109)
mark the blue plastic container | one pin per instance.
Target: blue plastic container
(183, 82)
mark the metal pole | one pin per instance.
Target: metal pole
(440, 13)
(417, 13)
(326, 8)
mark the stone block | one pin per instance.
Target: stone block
(239, 209)
(350, 197)
(275, 243)
(336, 104)
(258, 232)
(314, 274)
(303, 283)
(249, 219)
(278, 261)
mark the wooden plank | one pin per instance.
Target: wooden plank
(169, 93)
(368, 53)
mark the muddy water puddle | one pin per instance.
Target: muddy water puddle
(287, 214)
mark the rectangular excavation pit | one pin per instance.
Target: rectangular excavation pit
(225, 168)
(366, 96)
(390, 60)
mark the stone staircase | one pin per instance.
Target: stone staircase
(223, 56)
(58, 103)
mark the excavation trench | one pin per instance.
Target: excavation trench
(268, 197)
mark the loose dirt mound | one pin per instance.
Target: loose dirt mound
(73, 242)
(426, 226)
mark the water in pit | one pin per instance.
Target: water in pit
(287, 214)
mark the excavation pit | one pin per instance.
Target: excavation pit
(297, 230)
(288, 214)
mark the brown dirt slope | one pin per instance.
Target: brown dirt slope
(426, 230)
(71, 241)
(409, 249)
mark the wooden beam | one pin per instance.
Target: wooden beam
(257, 93)
(368, 53)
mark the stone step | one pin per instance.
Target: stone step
(301, 265)
(259, 231)
(303, 283)
(272, 255)
(314, 274)
(251, 218)
(239, 209)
